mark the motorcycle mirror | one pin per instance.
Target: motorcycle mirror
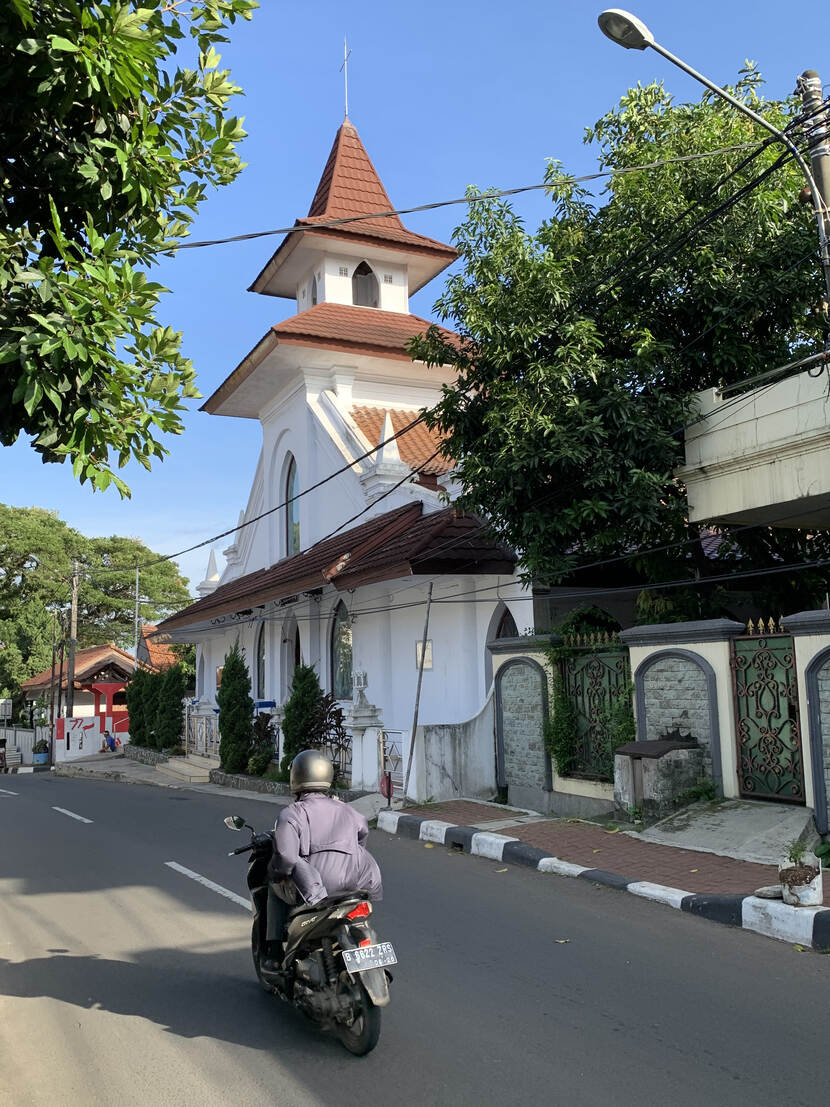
(234, 822)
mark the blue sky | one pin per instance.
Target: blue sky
(443, 95)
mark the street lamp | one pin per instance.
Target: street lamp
(627, 30)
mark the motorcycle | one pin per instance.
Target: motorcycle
(330, 966)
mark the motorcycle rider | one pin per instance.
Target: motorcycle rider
(319, 845)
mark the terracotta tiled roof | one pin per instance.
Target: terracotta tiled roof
(87, 662)
(159, 650)
(414, 447)
(350, 186)
(359, 329)
(398, 543)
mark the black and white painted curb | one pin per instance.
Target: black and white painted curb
(806, 926)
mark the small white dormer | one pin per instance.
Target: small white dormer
(365, 281)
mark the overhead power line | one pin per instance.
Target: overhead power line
(491, 194)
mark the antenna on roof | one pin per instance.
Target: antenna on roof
(344, 69)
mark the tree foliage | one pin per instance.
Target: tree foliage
(302, 710)
(135, 691)
(36, 553)
(582, 343)
(236, 709)
(263, 745)
(169, 711)
(108, 147)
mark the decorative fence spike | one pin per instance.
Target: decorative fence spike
(750, 627)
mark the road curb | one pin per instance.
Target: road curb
(806, 926)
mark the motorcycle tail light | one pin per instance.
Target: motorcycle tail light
(361, 911)
(365, 942)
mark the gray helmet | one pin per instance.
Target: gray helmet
(311, 771)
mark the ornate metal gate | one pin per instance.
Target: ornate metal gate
(765, 690)
(593, 683)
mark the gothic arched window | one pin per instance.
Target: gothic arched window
(292, 510)
(364, 287)
(507, 627)
(260, 663)
(341, 654)
(313, 291)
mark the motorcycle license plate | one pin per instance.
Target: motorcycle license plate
(369, 957)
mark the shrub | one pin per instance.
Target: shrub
(169, 720)
(135, 707)
(262, 746)
(302, 714)
(236, 709)
(561, 737)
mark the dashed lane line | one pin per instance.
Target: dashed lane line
(6, 792)
(203, 880)
(72, 815)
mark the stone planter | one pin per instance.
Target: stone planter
(40, 758)
(801, 884)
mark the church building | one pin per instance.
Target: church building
(350, 524)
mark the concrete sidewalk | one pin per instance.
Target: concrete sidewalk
(117, 767)
(703, 883)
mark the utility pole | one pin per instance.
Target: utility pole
(418, 693)
(809, 84)
(73, 638)
(52, 674)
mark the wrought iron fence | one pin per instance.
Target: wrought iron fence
(201, 734)
(594, 684)
(392, 755)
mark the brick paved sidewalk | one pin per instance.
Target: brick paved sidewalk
(616, 852)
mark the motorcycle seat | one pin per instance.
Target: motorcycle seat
(330, 901)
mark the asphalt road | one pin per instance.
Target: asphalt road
(124, 982)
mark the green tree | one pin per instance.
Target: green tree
(302, 711)
(236, 709)
(263, 745)
(108, 147)
(135, 707)
(36, 553)
(583, 342)
(169, 717)
(151, 697)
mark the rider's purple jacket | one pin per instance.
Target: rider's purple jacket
(320, 847)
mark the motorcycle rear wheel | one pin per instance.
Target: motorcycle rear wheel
(362, 1036)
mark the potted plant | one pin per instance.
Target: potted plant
(40, 752)
(800, 877)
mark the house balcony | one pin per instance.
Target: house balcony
(762, 457)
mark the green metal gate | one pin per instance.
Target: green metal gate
(593, 682)
(765, 691)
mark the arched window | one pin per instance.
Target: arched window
(292, 510)
(200, 683)
(260, 663)
(364, 287)
(313, 291)
(507, 627)
(341, 654)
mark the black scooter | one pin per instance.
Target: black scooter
(330, 965)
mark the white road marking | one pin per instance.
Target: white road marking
(6, 792)
(209, 884)
(72, 815)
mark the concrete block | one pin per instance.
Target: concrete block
(486, 844)
(434, 830)
(672, 897)
(388, 821)
(561, 868)
(778, 920)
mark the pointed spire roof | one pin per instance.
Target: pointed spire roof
(350, 187)
(350, 184)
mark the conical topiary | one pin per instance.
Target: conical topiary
(169, 715)
(302, 712)
(236, 710)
